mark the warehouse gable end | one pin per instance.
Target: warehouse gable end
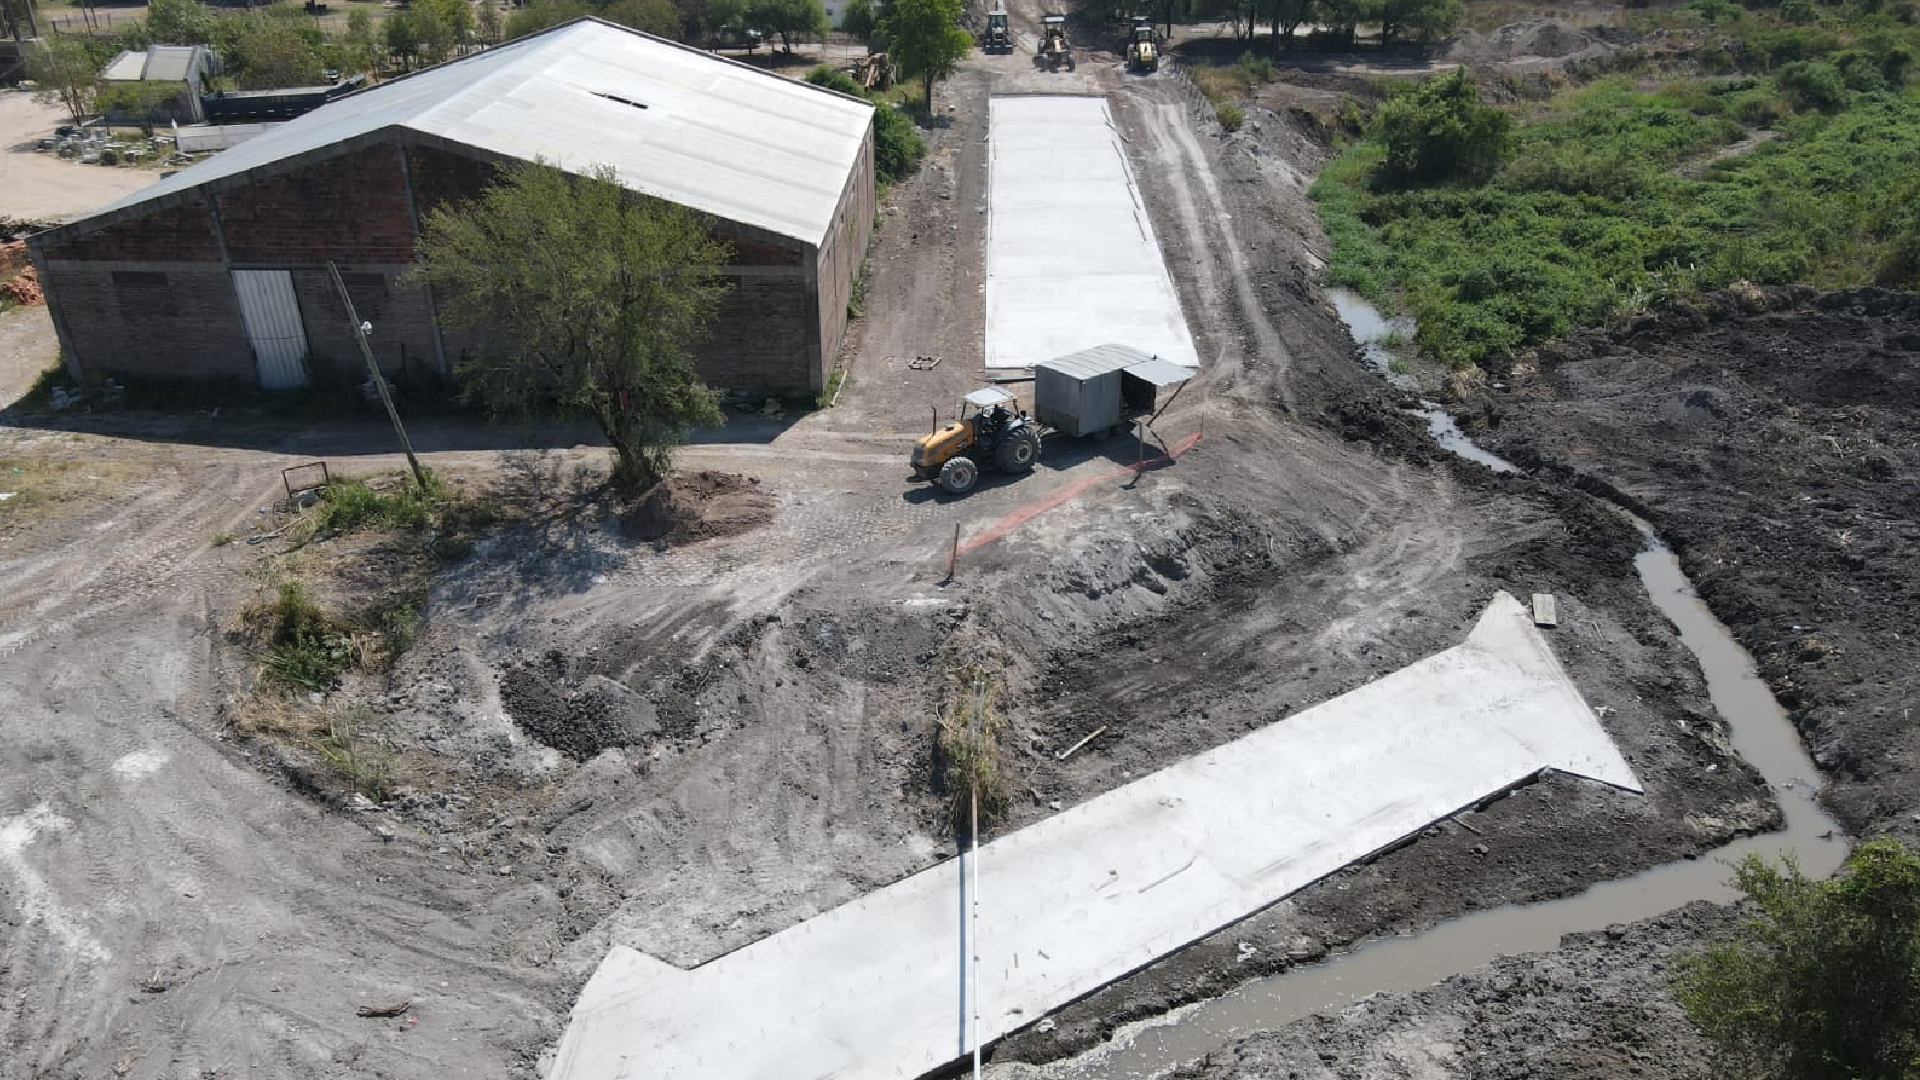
(782, 171)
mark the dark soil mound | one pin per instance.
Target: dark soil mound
(1773, 436)
(698, 506)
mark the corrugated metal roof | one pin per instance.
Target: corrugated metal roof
(1161, 373)
(674, 122)
(129, 66)
(169, 63)
(1096, 361)
(159, 63)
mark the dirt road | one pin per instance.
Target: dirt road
(41, 187)
(769, 698)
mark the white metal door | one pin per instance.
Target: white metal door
(272, 317)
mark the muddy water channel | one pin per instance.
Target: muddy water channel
(1760, 732)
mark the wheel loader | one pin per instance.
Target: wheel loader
(1053, 42)
(996, 434)
(998, 38)
(1143, 52)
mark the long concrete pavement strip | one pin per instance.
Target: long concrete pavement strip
(874, 989)
(1071, 257)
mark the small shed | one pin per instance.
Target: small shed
(159, 83)
(1096, 389)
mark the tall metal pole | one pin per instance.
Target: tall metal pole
(973, 910)
(379, 380)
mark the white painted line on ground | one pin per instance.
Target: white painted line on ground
(1071, 257)
(872, 990)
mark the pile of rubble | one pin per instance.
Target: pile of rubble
(18, 280)
(24, 288)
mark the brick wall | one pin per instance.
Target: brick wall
(185, 326)
(351, 208)
(402, 338)
(440, 177)
(178, 234)
(760, 337)
(841, 255)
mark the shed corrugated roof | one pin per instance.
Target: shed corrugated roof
(1096, 361)
(169, 63)
(129, 66)
(159, 63)
(1161, 373)
(674, 122)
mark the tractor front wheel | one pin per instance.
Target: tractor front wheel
(959, 475)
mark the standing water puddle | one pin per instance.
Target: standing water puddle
(1378, 336)
(1760, 733)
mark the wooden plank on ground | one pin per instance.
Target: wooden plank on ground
(1543, 610)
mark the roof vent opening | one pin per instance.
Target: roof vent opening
(621, 100)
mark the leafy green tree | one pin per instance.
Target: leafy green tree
(541, 14)
(275, 47)
(585, 299)
(487, 22)
(136, 101)
(925, 40)
(793, 20)
(67, 73)
(657, 17)
(857, 19)
(897, 145)
(1440, 131)
(356, 49)
(444, 26)
(727, 15)
(180, 22)
(1823, 982)
(1424, 19)
(403, 36)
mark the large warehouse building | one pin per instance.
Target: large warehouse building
(221, 269)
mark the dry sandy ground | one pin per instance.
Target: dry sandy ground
(179, 900)
(42, 187)
(27, 348)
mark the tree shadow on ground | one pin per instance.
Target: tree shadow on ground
(554, 529)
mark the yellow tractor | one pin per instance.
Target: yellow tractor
(1143, 52)
(996, 434)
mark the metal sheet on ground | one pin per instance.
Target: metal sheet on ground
(873, 990)
(1072, 261)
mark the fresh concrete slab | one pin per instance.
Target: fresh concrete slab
(875, 989)
(1071, 257)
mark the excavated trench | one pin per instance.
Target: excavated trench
(1760, 731)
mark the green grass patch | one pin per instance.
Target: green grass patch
(301, 645)
(835, 380)
(1616, 197)
(351, 503)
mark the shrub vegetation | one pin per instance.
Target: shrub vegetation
(1822, 982)
(1620, 194)
(897, 145)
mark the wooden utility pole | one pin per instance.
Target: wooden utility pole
(379, 380)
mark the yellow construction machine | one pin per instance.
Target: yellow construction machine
(992, 431)
(1143, 51)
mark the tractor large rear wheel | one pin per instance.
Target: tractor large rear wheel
(1017, 452)
(959, 475)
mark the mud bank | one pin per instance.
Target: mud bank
(1773, 437)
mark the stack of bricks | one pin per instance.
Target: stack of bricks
(23, 288)
(18, 281)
